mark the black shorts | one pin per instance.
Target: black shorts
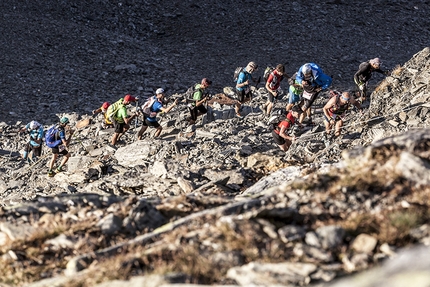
(119, 127)
(37, 151)
(56, 150)
(271, 98)
(195, 111)
(242, 96)
(278, 139)
(308, 103)
(150, 124)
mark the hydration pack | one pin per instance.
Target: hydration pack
(146, 107)
(275, 119)
(236, 73)
(51, 136)
(267, 72)
(113, 109)
(189, 94)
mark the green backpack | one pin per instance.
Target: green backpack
(113, 109)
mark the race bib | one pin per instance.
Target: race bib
(307, 95)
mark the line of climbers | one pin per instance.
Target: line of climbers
(304, 88)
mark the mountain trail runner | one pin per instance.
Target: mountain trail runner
(200, 97)
(273, 87)
(313, 80)
(103, 109)
(150, 109)
(335, 110)
(117, 113)
(55, 138)
(243, 88)
(33, 148)
(364, 73)
(280, 130)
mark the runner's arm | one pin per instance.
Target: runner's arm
(171, 107)
(283, 134)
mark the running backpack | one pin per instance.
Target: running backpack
(189, 94)
(267, 72)
(51, 136)
(113, 109)
(236, 73)
(146, 107)
(274, 120)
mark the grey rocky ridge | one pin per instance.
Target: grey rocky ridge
(217, 202)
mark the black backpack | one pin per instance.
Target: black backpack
(189, 94)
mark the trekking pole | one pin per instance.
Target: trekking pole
(137, 118)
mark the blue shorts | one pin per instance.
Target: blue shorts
(293, 98)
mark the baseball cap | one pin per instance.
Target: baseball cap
(129, 98)
(33, 125)
(376, 62)
(253, 65)
(159, 91)
(64, 120)
(105, 105)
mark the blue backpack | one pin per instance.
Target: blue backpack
(51, 137)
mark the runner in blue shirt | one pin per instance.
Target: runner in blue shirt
(151, 108)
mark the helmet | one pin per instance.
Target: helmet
(34, 125)
(64, 120)
(105, 105)
(306, 69)
(159, 91)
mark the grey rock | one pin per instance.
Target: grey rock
(409, 266)
(158, 169)
(272, 274)
(143, 217)
(413, 168)
(364, 243)
(274, 179)
(110, 224)
(290, 233)
(135, 154)
(17, 232)
(61, 242)
(185, 185)
(312, 253)
(330, 236)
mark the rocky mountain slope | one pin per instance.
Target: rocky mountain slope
(214, 203)
(71, 56)
(195, 208)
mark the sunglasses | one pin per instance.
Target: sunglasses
(345, 99)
